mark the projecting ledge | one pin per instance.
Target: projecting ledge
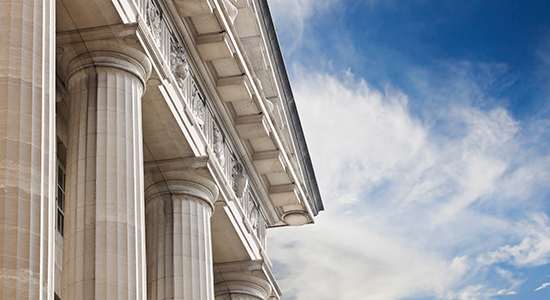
(214, 46)
(234, 88)
(268, 162)
(283, 195)
(252, 126)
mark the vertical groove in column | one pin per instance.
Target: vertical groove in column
(140, 262)
(127, 237)
(27, 149)
(139, 230)
(159, 250)
(169, 289)
(108, 212)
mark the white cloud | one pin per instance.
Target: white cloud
(361, 135)
(348, 199)
(422, 197)
(506, 292)
(543, 286)
(335, 259)
(534, 249)
(290, 17)
(471, 292)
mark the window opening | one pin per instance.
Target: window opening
(60, 198)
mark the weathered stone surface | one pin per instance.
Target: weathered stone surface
(27, 148)
(104, 239)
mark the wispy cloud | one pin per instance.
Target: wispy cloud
(414, 208)
(336, 259)
(534, 249)
(291, 17)
(543, 286)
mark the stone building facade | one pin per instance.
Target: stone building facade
(146, 146)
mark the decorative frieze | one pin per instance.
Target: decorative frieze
(254, 216)
(239, 177)
(197, 104)
(219, 150)
(154, 20)
(178, 63)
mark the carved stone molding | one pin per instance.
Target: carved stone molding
(197, 104)
(178, 63)
(154, 20)
(240, 179)
(231, 8)
(254, 216)
(219, 150)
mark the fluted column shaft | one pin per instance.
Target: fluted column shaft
(179, 247)
(103, 255)
(27, 148)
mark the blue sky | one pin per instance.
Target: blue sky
(428, 125)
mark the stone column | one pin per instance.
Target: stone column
(179, 204)
(103, 253)
(27, 148)
(241, 280)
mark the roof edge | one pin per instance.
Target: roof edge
(290, 104)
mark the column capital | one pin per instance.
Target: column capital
(244, 280)
(102, 47)
(188, 176)
(128, 61)
(242, 289)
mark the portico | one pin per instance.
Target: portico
(175, 133)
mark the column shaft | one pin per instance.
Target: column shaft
(179, 246)
(103, 254)
(27, 148)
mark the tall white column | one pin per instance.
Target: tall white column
(179, 204)
(27, 148)
(103, 255)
